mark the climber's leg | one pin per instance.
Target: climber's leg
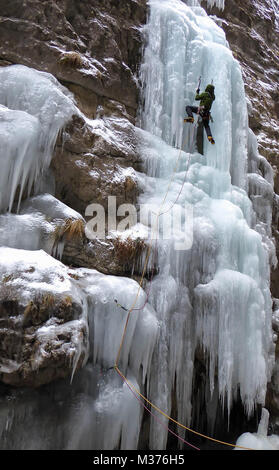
(190, 110)
(208, 131)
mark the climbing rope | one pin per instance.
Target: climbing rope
(136, 392)
(154, 416)
(131, 386)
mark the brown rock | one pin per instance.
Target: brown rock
(89, 165)
(40, 341)
(106, 36)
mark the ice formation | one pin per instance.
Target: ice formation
(107, 321)
(219, 3)
(259, 440)
(33, 109)
(216, 295)
(35, 227)
(211, 3)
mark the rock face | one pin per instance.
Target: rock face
(94, 162)
(104, 36)
(93, 48)
(43, 331)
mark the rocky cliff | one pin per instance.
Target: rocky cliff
(93, 48)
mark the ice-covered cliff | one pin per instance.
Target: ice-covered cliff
(199, 337)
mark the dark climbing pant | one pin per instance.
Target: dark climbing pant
(205, 118)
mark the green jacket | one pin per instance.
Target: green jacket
(206, 99)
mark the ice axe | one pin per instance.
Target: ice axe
(199, 85)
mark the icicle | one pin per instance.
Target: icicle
(211, 3)
(218, 3)
(118, 415)
(33, 108)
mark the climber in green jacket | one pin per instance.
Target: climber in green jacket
(206, 100)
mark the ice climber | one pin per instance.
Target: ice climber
(206, 99)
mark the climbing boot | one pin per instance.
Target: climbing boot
(211, 140)
(189, 119)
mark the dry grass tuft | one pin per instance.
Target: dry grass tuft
(71, 230)
(40, 309)
(47, 301)
(74, 228)
(74, 276)
(130, 184)
(129, 250)
(7, 278)
(67, 302)
(71, 60)
(30, 309)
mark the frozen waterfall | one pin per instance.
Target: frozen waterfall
(215, 296)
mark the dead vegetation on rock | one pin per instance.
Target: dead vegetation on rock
(72, 229)
(129, 250)
(71, 60)
(40, 309)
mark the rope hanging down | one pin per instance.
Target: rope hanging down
(129, 311)
(153, 414)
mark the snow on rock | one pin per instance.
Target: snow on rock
(50, 207)
(34, 107)
(45, 310)
(44, 326)
(40, 224)
(26, 231)
(114, 135)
